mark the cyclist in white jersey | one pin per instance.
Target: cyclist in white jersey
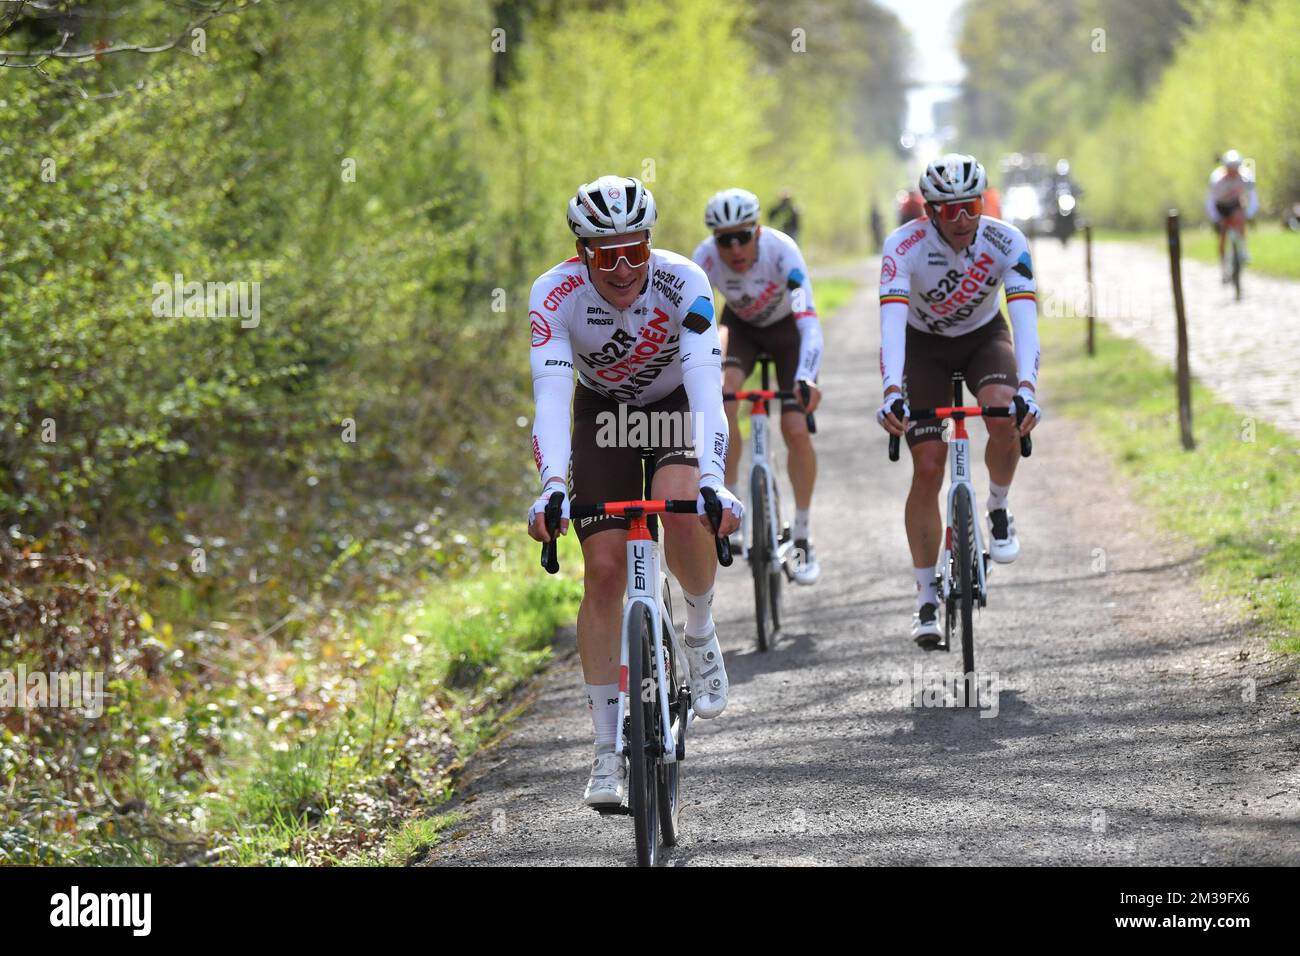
(769, 309)
(637, 326)
(1231, 199)
(939, 313)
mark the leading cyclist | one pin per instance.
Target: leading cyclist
(1230, 200)
(939, 313)
(769, 310)
(637, 325)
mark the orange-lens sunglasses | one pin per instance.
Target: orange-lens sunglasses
(952, 211)
(605, 258)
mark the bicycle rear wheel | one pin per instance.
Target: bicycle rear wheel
(642, 755)
(668, 777)
(760, 560)
(964, 531)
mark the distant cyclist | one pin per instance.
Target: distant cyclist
(769, 310)
(637, 325)
(939, 313)
(1229, 201)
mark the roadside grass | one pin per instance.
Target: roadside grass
(438, 671)
(1236, 496)
(334, 746)
(1274, 251)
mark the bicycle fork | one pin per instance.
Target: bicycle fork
(960, 483)
(645, 596)
(759, 423)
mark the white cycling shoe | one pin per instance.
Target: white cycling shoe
(803, 563)
(925, 626)
(1004, 546)
(709, 683)
(608, 782)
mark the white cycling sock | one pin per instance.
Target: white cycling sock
(602, 701)
(925, 592)
(997, 496)
(699, 614)
(802, 519)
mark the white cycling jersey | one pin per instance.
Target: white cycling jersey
(666, 339)
(927, 284)
(775, 286)
(1224, 190)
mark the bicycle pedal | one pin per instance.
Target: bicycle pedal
(613, 810)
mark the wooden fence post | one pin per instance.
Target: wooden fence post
(1183, 367)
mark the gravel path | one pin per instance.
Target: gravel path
(1246, 351)
(1133, 723)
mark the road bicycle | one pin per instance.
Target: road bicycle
(961, 576)
(653, 719)
(771, 552)
(1234, 252)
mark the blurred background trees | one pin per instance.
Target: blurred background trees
(1141, 97)
(393, 174)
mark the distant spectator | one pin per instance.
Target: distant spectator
(877, 227)
(785, 216)
(911, 206)
(992, 203)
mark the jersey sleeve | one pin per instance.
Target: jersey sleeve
(1211, 209)
(1022, 305)
(551, 357)
(895, 287)
(703, 256)
(701, 357)
(811, 341)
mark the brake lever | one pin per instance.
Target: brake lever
(897, 409)
(1026, 441)
(550, 551)
(805, 393)
(713, 508)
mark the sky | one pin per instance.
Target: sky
(932, 25)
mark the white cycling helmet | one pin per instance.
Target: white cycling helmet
(611, 206)
(731, 207)
(953, 177)
(1232, 159)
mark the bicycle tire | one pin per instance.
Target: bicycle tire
(668, 777)
(642, 758)
(775, 571)
(760, 523)
(1236, 264)
(965, 535)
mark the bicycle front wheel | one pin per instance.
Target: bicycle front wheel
(642, 755)
(964, 532)
(760, 559)
(1236, 265)
(668, 776)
